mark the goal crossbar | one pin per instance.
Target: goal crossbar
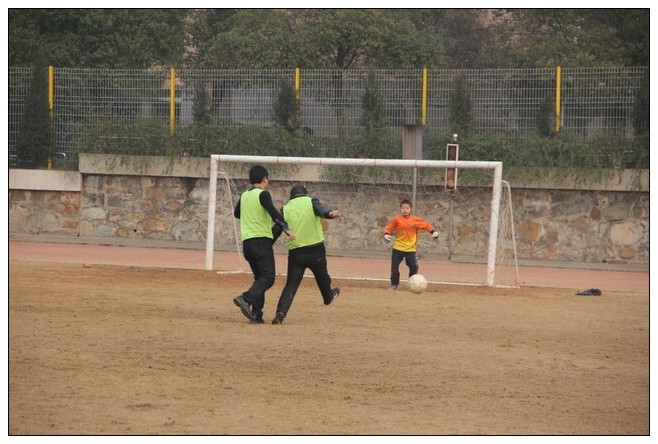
(344, 161)
(497, 167)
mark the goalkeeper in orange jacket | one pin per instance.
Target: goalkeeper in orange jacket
(405, 226)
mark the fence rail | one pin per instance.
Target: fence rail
(505, 102)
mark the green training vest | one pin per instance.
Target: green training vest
(302, 220)
(255, 221)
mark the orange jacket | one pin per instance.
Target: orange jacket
(406, 231)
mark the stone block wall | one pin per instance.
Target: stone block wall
(39, 212)
(582, 226)
(562, 225)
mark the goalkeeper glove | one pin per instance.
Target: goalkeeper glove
(387, 238)
(435, 234)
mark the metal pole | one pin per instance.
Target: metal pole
(450, 235)
(212, 196)
(493, 226)
(415, 179)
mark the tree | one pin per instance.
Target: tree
(201, 108)
(373, 104)
(373, 140)
(366, 38)
(546, 116)
(98, 38)
(642, 107)
(576, 37)
(318, 38)
(330, 38)
(36, 137)
(630, 32)
(519, 38)
(467, 35)
(250, 39)
(461, 108)
(202, 26)
(286, 107)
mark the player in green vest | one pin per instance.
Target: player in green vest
(307, 250)
(258, 217)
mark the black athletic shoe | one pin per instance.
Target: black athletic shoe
(244, 306)
(334, 295)
(278, 319)
(257, 321)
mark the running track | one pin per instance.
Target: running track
(611, 277)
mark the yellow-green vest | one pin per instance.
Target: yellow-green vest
(301, 219)
(255, 221)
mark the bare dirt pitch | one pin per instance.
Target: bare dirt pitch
(97, 349)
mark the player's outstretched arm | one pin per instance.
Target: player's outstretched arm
(430, 229)
(324, 211)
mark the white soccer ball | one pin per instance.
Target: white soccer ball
(417, 283)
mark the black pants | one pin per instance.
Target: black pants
(315, 259)
(396, 259)
(260, 255)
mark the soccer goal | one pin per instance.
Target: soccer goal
(476, 245)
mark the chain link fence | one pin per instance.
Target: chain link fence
(505, 103)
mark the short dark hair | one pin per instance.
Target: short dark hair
(405, 201)
(257, 173)
(298, 190)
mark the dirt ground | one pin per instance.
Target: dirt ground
(112, 350)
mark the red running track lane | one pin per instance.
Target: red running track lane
(531, 276)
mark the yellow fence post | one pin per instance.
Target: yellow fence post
(298, 84)
(423, 100)
(51, 105)
(172, 101)
(558, 97)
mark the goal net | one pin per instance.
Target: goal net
(476, 244)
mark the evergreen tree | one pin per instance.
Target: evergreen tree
(461, 108)
(641, 107)
(373, 104)
(286, 107)
(36, 137)
(545, 117)
(201, 108)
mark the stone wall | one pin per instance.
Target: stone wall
(582, 226)
(562, 225)
(44, 212)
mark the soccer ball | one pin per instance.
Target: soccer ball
(417, 283)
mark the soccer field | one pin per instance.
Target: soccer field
(129, 350)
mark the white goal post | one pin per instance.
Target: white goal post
(497, 168)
